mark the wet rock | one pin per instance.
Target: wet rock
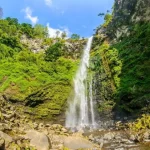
(38, 140)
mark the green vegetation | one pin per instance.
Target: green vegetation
(54, 52)
(47, 76)
(75, 36)
(64, 35)
(141, 123)
(40, 31)
(124, 69)
(134, 51)
(106, 64)
(107, 19)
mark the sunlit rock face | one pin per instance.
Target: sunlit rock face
(126, 11)
(125, 14)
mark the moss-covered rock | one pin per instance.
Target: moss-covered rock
(48, 101)
(122, 66)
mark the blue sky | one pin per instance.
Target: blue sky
(72, 16)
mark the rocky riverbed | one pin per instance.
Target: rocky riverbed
(19, 132)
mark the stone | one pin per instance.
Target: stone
(146, 135)
(91, 137)
(12, 119)
(72, 142)
(41, 125)
(6, 116)
(64, 130)
(6, 137)
(2, 128)
(2, 144)
(35, 125)
(57, 126)
(38, 140)
(132, 137)
(47, 125)
(109, 136)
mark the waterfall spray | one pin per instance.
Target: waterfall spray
(80, 113)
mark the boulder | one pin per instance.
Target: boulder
(64, 130)
(38, 140)
(2, 144)
(72, 142)
(6, 137)
(109, 136)
(146, 135)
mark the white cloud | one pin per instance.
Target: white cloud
(52, 31)
(65, 29)
(29, 16)
(48, 3)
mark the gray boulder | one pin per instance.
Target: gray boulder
(38, 140)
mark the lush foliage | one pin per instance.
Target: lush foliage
(107, 19)
(54, 52)
(140, 124)
(75, 36)
(126, 67)
(107, 68)
(24, 73)
(134, 51)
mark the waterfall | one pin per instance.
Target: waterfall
(80, 113)
(91, 103)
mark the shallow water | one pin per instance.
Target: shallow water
(115, 140)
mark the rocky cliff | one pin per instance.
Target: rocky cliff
(120, 60)
(35, 70)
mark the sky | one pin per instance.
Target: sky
(72, 16)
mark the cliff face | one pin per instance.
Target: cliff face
(131, 11)
(120, 60)
(127, 13)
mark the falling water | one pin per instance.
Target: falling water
(80, 113)
(91, 103)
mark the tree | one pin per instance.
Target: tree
(108, 19)
(1, 12)
(63, 35)
(27, 29)
(57, 33)
(101, 14)
(12, 21)
(54, 52)
(40, 31)
(75, 36)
